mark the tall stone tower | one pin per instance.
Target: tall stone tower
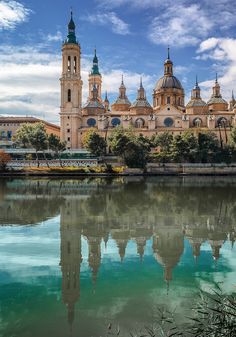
(95, 78)
(71, 90)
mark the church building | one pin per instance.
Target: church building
(168, 111)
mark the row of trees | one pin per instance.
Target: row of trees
(136, 151)
(35, 136)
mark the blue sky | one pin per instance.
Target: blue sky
(131, 37)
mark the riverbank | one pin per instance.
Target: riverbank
(152, 169)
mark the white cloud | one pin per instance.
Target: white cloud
(223, 52)
(29, 82)
(180, 23)
(117, 25)
(54, 38)
(12, 13)
(180, 26)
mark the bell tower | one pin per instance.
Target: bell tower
(71, 89)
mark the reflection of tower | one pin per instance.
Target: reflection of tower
(168, 246)
(121, 236)
(71, 258)
(94, 258)
(141, 235)
(196, 235)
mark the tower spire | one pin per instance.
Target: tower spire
(216, 77)
(71, 37)
(168, 52)
(141, 82)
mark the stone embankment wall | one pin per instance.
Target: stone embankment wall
(191, 169)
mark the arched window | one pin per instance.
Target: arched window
(69, 64)
(139, 123)
(91, 122)
(197, 122)
(75, 64)
(168, 100)
(222, 121)
(168, 122)
(69, 95)
(115, 121)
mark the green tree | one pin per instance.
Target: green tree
(38, 139)
(56, 145)
(136, 153)
(134, 150)
(22, 135)
(119, 139)
(95, 143)
(164, 142)
(208, 147)
(184, 148)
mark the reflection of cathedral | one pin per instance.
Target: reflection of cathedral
(168, 112)
(139, 211)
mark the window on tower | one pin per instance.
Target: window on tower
(75, 64)
(168, 100)
(69, 64)
(69, 95)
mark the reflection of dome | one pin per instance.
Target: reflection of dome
(167, 82)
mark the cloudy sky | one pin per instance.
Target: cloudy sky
(131, 37)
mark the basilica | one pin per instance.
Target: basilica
(168, 111)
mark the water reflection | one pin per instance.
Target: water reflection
(168, 210)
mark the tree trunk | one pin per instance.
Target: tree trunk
(37, 157)
(45, 158)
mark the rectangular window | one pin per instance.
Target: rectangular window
(68, 139)
(168, 100)
(68, 130)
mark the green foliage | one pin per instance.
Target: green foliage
(208, 147)
(55, 144)
(215, 315)
(164, 142)
(95, 143)
(134, 150)
(184, 148)
(38, 138)
(22, 135)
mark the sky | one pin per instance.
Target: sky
(131, 38)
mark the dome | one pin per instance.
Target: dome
(196, 103)
(216, 100)
(167, 82)
(94, 104)
(141, 103)
(122, 101)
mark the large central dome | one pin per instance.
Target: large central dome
(167, 82)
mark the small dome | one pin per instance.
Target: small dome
(122, 101)
(141, 103)
(216, 100)
(167, 82)
(94, 104)
(196, 103)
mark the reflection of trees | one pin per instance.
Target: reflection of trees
(27, 203)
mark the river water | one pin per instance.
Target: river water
(79, 255)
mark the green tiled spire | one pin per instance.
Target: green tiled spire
(71, 37)
(95, 69)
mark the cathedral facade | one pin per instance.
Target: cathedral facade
(167, 113)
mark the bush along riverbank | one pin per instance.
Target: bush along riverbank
(214, 315)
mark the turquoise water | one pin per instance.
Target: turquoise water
(77, 255)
